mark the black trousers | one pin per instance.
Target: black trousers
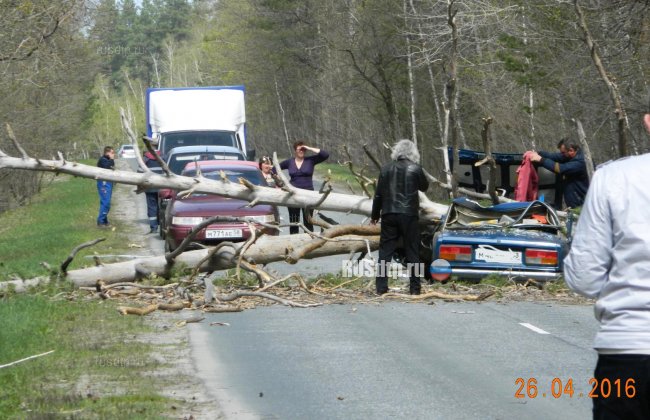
(294, 217)
(393, 227)
(618, 396)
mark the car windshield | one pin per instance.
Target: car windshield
(179, 161)
(197, 138)
(129, 147)
(252, 175)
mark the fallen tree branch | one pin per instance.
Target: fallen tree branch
(334, 232)
(218, 309)
(66, 263)
(236, 295)
(172, 306)
(26, 359)
(440, 295)
(127, 310)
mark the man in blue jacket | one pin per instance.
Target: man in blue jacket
(105, 188)
(573, 169)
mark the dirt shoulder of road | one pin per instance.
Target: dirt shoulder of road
(176, 368)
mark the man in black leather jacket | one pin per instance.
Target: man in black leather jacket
(396, 201)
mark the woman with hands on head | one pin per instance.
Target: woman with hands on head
(301, 171)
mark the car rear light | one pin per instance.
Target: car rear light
(186, 221)
(267, 218)
(456, 252)
(541, 256)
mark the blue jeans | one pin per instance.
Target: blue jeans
(105, 190)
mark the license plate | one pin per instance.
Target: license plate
(223, 233)
(490, 254)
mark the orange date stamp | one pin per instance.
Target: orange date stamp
(559, 388)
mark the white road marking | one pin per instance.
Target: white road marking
(534, 328)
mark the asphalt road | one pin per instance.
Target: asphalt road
(393, 360)
(396, 360)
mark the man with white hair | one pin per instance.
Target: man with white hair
(610, 261)
(396, 201)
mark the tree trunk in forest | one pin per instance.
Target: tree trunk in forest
(589, 161)
(282, 117)
(492, 165)
(619, 110)
(409, 65)
(451, 95)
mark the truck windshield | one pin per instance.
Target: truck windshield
(196, 138)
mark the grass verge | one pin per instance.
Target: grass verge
(58, 219)
(99, 368)
(95, 370)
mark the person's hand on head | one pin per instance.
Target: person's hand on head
(646, 121)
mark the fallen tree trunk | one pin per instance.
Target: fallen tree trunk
(255, 194)
(266, 250)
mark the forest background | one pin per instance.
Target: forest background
(333, 73)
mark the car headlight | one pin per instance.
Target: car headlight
(267, 218)
(187, 221)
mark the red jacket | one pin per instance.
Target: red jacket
(527, 181)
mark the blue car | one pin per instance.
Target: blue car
(521, 240)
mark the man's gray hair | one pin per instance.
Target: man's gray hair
(407, 149)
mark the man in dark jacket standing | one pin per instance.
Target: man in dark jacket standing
(105, 188)
(396, 201)
(573, 169)
(152, 194)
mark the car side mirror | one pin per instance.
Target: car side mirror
(250, 154)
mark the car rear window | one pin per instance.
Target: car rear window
(254, 176)
(178, 162)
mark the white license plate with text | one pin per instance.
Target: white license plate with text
(488, 253)
(223, 233)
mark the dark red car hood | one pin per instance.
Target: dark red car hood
(213, 205)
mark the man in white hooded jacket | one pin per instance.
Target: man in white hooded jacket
(610, 261)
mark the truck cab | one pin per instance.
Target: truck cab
(197, 116)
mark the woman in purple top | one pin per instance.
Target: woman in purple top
(301, 170)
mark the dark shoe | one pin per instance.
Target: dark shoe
(153, 230)
(415, 292)
(382, 291)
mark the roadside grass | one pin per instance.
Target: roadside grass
(58, 219)
(341, 175)
(98, 368)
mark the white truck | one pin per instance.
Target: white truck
(197, 116)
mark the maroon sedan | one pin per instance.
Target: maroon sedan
(184, 213)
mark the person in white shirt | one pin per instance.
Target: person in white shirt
(610, 261)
